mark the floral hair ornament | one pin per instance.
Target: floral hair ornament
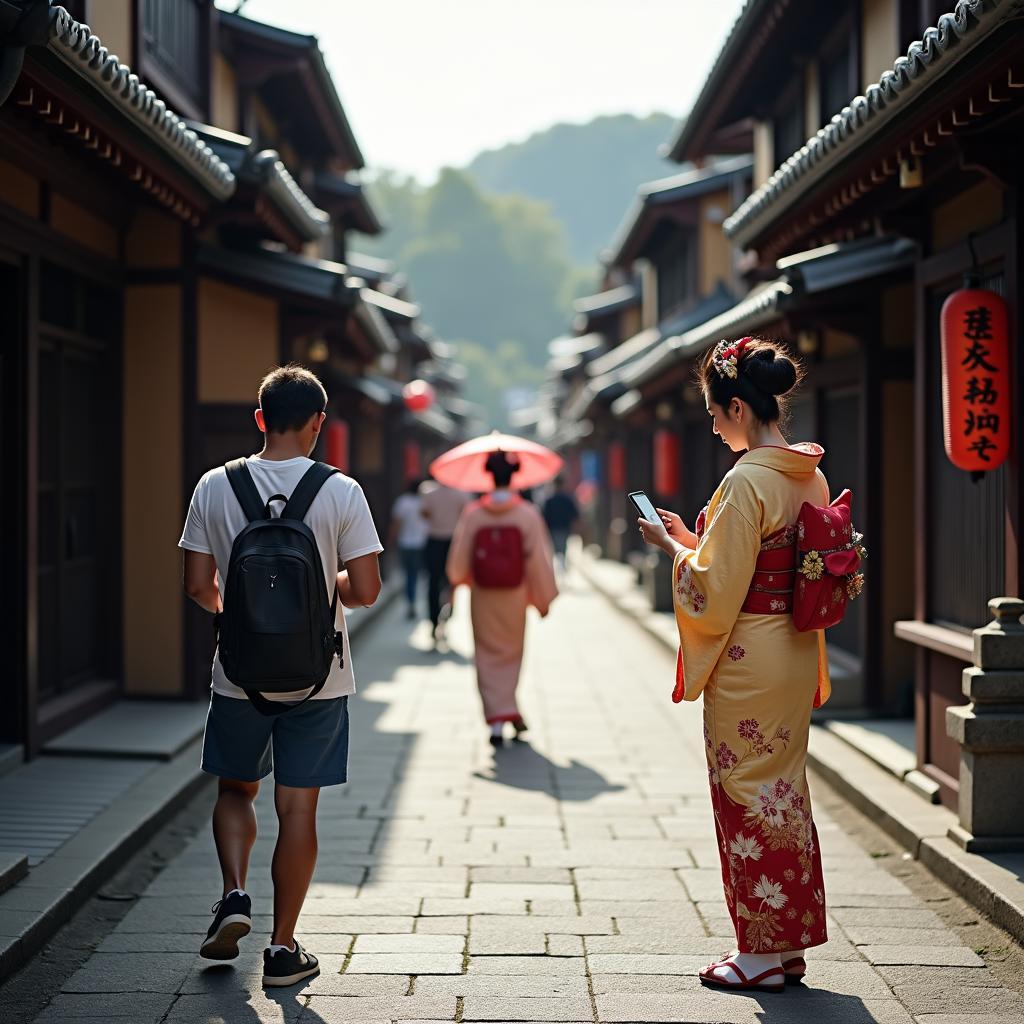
(725, 358)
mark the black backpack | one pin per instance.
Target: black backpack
(276, 633)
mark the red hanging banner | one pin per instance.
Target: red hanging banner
(617, 466)
(666, 463)
(337, 445)
(975, 380)
(411, 460)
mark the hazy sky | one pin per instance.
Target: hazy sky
(429, 83)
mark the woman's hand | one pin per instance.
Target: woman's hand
(677, 529)
(658, 535)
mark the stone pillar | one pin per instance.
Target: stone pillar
(990, 731)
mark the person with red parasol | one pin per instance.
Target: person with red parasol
(502, 553)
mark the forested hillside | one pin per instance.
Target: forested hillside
(499, 250)
(586, 172)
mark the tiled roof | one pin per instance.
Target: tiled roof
(608, 302)
(735, 47)
(266, 171)
(312, 222)
(85, 53)
(760, 307)
(689, 185)
(926, 59)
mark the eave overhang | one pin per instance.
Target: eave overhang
(263, 52)
(851, 138)
(374, 324)
(299, 279)
(267, 188)
(655, 199)
(742, 47)
(87, 95)
(347, 200)
(805, 274)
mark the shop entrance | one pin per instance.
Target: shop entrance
(78, 484)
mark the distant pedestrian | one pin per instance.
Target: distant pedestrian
(409, 534)
(561, 515)
(759, 675)
(501, 552)
(306, 746)
(441, 508)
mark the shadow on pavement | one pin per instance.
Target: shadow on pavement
(522, 767)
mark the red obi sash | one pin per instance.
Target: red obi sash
(771, 589)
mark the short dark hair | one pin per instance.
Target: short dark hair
(765, 373)
(289, 396)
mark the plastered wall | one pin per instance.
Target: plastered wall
(238, 341)
(153, 500)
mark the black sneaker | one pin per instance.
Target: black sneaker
(232, 920)
(287, 966)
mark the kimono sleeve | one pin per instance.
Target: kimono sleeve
(459, 568)
(540, 569)
(710, 586)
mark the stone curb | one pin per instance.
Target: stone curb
(915, 824)
(55, 889)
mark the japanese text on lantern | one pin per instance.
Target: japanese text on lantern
(975, 379)
(980, 423)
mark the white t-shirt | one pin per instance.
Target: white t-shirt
(412, 527)
(339, 518)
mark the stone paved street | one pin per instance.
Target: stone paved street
(575, 879)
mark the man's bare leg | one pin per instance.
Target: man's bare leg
(294, 857)
(234, 830)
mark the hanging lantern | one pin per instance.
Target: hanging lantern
(418, 396)
(337, 445)
(975, 378)
(666, 462)
(617, 466)
(411, 460)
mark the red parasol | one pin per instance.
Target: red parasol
(463, 467)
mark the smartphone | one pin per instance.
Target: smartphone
(644, 506)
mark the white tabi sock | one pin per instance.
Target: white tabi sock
(751, 964)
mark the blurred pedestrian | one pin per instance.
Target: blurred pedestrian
(300, 735)
(441, 507)
(561, 515)
(409, 533)
(501, 552)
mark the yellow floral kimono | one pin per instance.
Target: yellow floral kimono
(760, 678)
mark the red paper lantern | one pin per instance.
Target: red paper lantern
(337, 453)
(666, 462)
(617, 466)
(418, 396)
(411, 460)
(975, 379)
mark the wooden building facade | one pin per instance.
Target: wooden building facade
(166, 237)
(846, 246)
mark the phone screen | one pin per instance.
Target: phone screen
(644, 506)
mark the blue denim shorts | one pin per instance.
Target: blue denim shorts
(305, 748)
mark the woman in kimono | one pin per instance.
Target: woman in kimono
(760, 677)
(499, 613)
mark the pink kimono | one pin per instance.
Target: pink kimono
(499, 615)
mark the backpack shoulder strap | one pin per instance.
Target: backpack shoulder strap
(245, 490)
(307, 489)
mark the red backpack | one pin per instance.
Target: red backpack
(498, 559)
(828, 557)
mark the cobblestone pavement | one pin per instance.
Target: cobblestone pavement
(571, 880)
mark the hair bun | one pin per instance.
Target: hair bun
(770, 371)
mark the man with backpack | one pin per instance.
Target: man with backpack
(264, 539)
